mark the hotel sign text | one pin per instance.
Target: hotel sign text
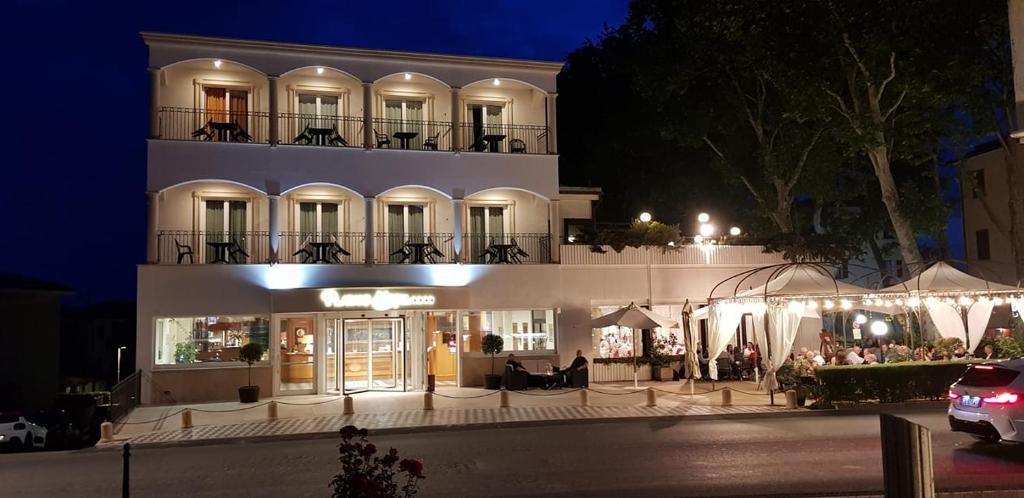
(381, 300)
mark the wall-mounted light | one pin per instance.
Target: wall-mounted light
(217, 63)
(408, 76)
(319, 70)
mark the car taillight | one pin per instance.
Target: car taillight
(953, 395)
(1003, 399)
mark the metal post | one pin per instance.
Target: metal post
(119, 349)
(768, 351)
(907, 469)
(124, 471)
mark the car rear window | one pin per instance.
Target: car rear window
(988, 376)
(7, 418)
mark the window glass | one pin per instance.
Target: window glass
(616, 342)
(193, 340)
(521, 330)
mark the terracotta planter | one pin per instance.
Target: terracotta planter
(662, 374)
(249, 394)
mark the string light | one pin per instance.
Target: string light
(844, 304)
(812, 305)
(828, 304)
(914, 302)
(965, 301)
(998, 301)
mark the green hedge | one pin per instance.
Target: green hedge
(887, 383)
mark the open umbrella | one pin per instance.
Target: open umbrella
(692, 365)
(632, 317)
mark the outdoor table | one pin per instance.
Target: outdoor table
(223, 132)
(544, 380)
(419, 251)
(502, 253)
(324, 136)
(220, 251)
(323, 252)
(493, 141)
(405, 136)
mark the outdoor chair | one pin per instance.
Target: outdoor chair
(382, 139)
(336, 251)
(579, 378)
(517, 253)
(304, 137)
(404, 252)
(240, 135)
(184, 251)
(515, 380)
(306, 252)
(204, 133)
(431, 142)
(517, 146)
(236, 253)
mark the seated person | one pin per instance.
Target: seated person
(578, 363)
(514, 363)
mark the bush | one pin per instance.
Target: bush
(491, 345)
(942, 348)
(888, 383)
(366, 474)
(1009, 347)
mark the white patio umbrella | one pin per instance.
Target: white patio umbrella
(692, 369)
(632, 317)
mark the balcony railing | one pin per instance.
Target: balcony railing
(318, 247)
(512, 139)
(427, 248)
(184, 123)
(412, 135)
(191, 247)
(509, 248)
(310, 129)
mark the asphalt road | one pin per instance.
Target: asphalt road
(782, 456)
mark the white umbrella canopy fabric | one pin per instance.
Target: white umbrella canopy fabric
(942, 277)
(804, 281)
(632, 317)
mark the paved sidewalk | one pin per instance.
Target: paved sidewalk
(453, 407)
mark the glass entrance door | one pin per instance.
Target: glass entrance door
(298, 355)
(373, 352)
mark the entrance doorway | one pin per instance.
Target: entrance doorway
(442, 347)
(298, 355)
(373, 354)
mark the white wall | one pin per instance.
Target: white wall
(180, 206)
(530, 212)
(180, 85)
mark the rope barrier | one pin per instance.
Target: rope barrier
(606, 393)
(332, 400)
(250, 407)
(524, 393)
(154, 420)
(492, 393)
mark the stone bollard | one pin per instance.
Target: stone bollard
(791, 399)
(907, 465)
(726, 396)
(346, 406)
(688, 384)
(652, 398)
(428, 401)
(106, 432)
(272, 410)
(186, 418)
(503, 399)
(584, 397)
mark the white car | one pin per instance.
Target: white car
(988, 402)
(16, 432)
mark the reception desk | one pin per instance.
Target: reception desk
(297, 367)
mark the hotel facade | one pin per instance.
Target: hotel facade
(368, 216)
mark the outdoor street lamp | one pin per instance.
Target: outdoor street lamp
(707, 230)
(119, 350)
(879, 327)
(703, 218)
(645, 217)
(860, 319)
(735, 231)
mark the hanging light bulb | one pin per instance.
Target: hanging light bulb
(796, 306)
(914, 302)
(812, 305)
(860, 319)
(844, 304)
(998, 301)
(828, 304)
(899, 302)
(949, 301)
(888, 304)
(965, 301)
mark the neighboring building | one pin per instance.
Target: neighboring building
(30, 335)
(347, 208)
(90, 341)
(989, 252)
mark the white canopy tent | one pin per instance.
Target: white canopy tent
(959, 304)
(632, 317)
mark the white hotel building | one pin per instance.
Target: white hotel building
(353, 211)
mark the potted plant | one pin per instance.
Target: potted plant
(661, 362)
(492, 345)
(250, 353)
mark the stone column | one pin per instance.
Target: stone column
(552, 124)
(154, 102)
(274, 112)
(370, 208)
(275, 227)
(457, 237)
(152, 225)
(368, 116)
(555, 229)
(456, 120)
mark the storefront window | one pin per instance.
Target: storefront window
(618, 342)
(525, 330)
(213, 339)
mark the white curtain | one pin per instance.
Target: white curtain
(784, 323)
(949, 323)
(722, 323)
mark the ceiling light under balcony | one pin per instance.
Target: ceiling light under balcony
(319, 70)
(408, 76)
(217, 63)
(497, 82)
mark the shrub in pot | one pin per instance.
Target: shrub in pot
(250, 353)
(492, 345)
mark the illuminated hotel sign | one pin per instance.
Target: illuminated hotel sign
(381, 300)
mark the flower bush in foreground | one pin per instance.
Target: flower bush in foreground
(365, 473)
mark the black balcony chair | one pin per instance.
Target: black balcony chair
(336, 251)
(240, 135)
(480, 145)
(515, 380)
(431, 142)
(304, 138)
(306, 252)
(490, 254)
(432, 251)
(517, 146)
(405, 252)
(517, 253)
(204, 133)
(236, 254)
(382, 139)
(184, 251)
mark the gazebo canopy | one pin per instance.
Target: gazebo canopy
(943, 278)
(803, 281)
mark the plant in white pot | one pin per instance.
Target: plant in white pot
(492, 345)
(250, 353)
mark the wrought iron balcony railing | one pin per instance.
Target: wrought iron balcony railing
(197, 247)
(319, 247)
(425, 248)
(509, 248)
(512, 139)
(330, 131)
(412, 135)
(184, 123)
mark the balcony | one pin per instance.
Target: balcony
(427, 248)
(510, 248)
(510, 139)
(191, 247)
(328, 131)
(329, 248)
(183, 123)
(412, 135)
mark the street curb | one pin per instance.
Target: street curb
(800, 412)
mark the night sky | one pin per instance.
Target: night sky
(74, 186)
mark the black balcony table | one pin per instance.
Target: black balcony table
(223, 132)
(420, 252)
(327, 252)
(325, 136)
(493, 141)
(502, 253)
(404, 137)
(220, 251)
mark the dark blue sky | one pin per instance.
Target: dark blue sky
(73, 190)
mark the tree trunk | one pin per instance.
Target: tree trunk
(879, 156)
(876, 252)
